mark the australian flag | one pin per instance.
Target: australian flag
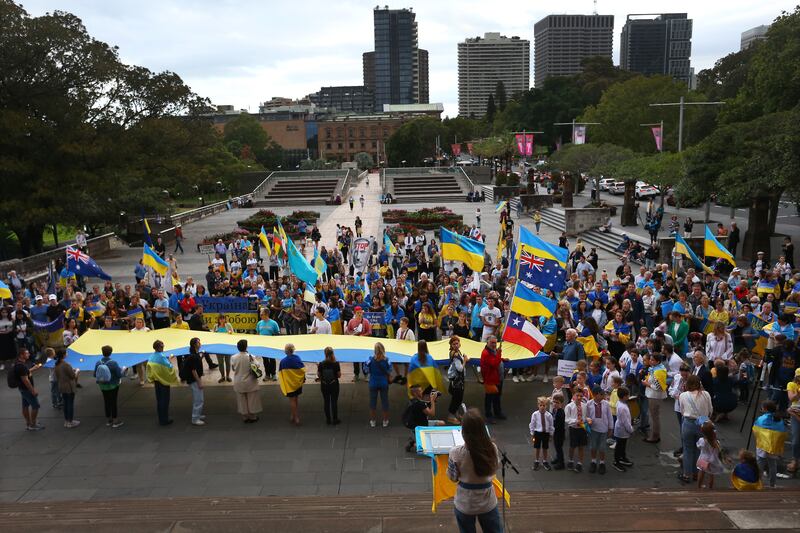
(542, 272)
(81, 264)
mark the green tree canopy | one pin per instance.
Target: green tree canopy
(414, 141)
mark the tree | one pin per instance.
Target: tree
(364, 160)
(490, 109)
(500, 97)
(626, 105)
(663, 171)
(596, 160)
(414, 141)
(74, 118)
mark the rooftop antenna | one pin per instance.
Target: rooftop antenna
(595, 8)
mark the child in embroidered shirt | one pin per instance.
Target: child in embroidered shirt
(575, 418)
(541, 428)
(559, 430)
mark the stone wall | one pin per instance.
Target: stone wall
(580, 219)
(532, 202)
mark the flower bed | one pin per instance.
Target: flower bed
(424, 219)
(267, 218)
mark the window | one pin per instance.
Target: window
(374, 144)
(339, 132)
(362, 132)
(351, 132)
(363, 145)
(351, 146)
(328, 146)
(385, 132)
(340, 146)
(328, 134)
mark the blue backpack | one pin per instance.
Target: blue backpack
(102, 374)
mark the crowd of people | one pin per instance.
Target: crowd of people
(640, 339)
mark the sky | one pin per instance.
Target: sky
(247, 51)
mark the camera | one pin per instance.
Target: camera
(435, 394)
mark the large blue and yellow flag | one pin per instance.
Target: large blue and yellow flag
(319, 264)
(291, 374)
(770, 434)
(153, 260)
(264, 238)
(49, 334)
(161, 370)
(389, 245)
(589, 343)
(424, 374)
(623, 330)
(541, 248)
(713, 248)
(766, 287)
(5, 291)
(759, 325)
(456, 247)
(682, 247)
(528, 303)
(745, 477)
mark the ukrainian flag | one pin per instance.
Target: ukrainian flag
(389, 245)
(541, 248)
(623, 331)
(95, 309)
(444, 489)
(713, 248)
(659, 373)
(262, 236)
(135, 312)
(335, 318)
(744, 477)
(319, 263)
(770, 434)
(682, 247)
(589, 343)
(766, 287)
(528, 303)
(291, 374)
(500, 206)
(456, 247)
(761, 326)
(501, 240)
(160, 369)
(152, 259)
(5, 291)
(424, 374)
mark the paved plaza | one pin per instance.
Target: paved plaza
(272, 457)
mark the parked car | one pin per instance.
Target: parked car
(618, 187)
(644, 190)
(605, 183)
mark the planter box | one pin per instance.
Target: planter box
(531, 202)
(505, 192)
(580, 219)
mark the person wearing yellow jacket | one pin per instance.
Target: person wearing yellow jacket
(161, 372)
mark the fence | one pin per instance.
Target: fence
(33, 266)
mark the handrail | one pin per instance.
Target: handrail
(199, 211)
(263, 182)
(469, 180)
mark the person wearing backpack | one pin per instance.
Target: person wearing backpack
(20, 377)
(107, 374)
(329, 373)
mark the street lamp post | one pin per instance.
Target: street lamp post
(682, 103)
(573, 124)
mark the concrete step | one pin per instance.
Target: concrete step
(612, 510)
(429, 198)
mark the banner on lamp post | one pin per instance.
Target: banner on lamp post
(658, 136)
(579, 135)
(529, 144)
(456, 149)
(469, 148)
(520, 143)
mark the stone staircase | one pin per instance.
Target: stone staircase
(621, 510)
(424, 188)
(554, 217)
(297, 191)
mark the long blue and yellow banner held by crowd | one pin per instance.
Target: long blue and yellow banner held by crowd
(456, 247)
(134, 348)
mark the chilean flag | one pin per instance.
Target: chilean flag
(521, 332)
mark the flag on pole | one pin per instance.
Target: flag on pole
(456, 247)
(262, 236)
(542, 248)
(5, 291)
(276, 242)
(579, 135)
(528, 303)
(501, 239)
(657, 136)
(522, 332)
(389, 245)
(682, 247)
(713, 248)
(81, 264)
(500, 206)
(152, 259)
(147, 238)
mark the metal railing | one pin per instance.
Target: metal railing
(211, 209)
(466, 176)
(310, 174)
(34, 264)
(405, 171)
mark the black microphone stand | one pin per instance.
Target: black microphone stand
(505, 462)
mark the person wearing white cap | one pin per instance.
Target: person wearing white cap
(54, 309)
(760, 263)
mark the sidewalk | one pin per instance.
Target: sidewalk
(370, 214)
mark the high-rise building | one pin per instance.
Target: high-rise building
(397, 68)
(485, 61)
(347, 98)
(561, 42)
(657, 44)
(753, 35)
(423, 87)
(368, 65)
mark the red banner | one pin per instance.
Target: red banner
(469, 148)
(520, 143)
(529, 144)
(456, 149)
(657, 135)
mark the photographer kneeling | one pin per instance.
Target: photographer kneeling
(419, 413)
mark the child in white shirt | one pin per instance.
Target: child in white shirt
(541, 427)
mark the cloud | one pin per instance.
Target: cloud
(243, 52)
